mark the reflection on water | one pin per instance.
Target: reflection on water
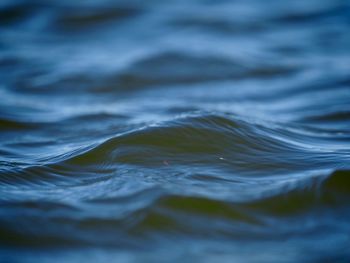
(174, 131)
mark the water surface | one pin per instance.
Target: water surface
(175, 131)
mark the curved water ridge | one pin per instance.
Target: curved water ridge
(228, 145)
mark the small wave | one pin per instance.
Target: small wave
(174, 68)
(14, 125)
(80, 19)
(227, 143)
(151, 214)
(207, 138)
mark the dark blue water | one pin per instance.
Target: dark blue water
(175, 131)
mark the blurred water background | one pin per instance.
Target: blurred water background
(175, 131)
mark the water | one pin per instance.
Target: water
(175, 131)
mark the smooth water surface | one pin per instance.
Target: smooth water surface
(175, 131)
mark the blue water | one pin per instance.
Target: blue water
(175, 131)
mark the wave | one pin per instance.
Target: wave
(208, 141)
(151, 213)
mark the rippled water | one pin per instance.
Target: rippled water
(175, 131)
